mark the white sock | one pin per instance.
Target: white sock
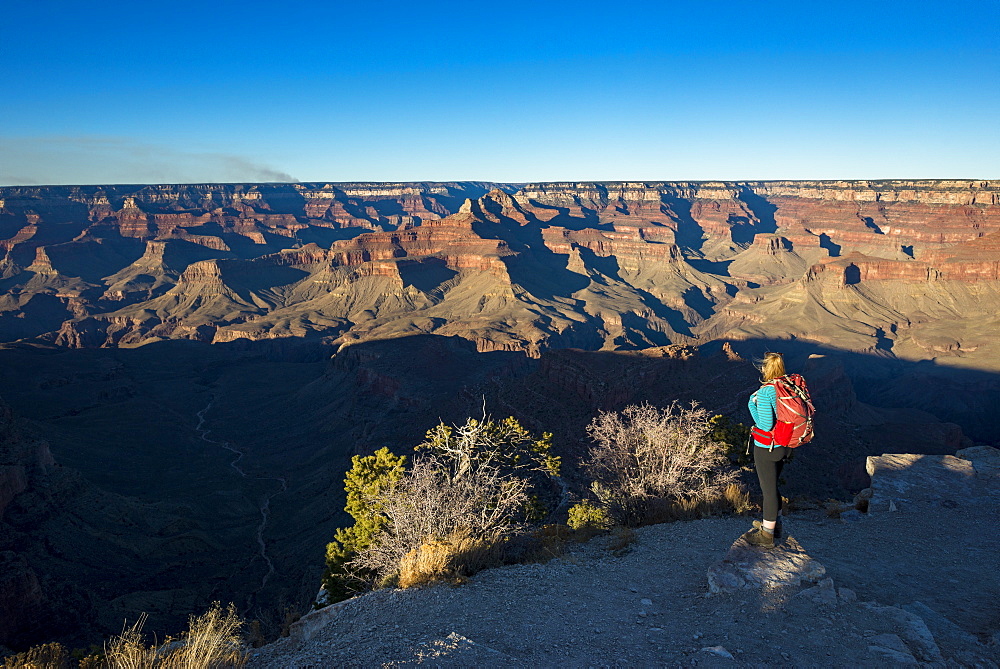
(768, 525)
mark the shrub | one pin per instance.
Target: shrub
(505, 444)
(585, 515)
(734, 436)
(647, 460)
(369, 477)
(434, 502)
(471, 489)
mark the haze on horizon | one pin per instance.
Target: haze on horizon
(244, 91)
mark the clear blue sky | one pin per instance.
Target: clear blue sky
(156, 91)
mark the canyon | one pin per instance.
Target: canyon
(862, 265)
(151, 334)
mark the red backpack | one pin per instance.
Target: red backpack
(794, 424)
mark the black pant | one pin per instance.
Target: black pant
(768, 464)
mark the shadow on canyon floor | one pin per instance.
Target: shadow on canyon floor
(128, 421)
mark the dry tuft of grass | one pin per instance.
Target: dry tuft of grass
(552, 540)
(621, 538)
(738, 498)
(212, 642)
(128, 650)
(835, 507)
(47, 656)
(450, 559)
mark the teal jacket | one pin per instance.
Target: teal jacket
(763, 408)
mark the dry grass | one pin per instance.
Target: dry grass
(47, 656)
(835, 507)
(621, 538)
(211, 642)
(128, 650)
(553, 539)
(738, 498)
(450, 559)
(800, 504)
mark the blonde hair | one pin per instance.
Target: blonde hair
(772, 367)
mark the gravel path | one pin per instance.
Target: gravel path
(925, 579)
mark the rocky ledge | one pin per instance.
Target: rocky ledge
(859, 590)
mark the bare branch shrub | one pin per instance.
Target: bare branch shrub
(651, 464)
(434, 502)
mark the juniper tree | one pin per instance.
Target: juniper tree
(366, 482)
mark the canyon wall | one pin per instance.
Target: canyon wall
(508, 266)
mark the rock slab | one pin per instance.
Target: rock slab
(907, 478)
(985, 460)
(745, 566)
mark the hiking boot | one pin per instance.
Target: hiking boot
(760, 537)
(777, 528)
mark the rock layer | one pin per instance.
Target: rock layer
(594, 265)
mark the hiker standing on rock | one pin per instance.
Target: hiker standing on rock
(782, 414)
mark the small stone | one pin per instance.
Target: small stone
(646, 602)
(718, 650)
(892, 506)
(846, 595)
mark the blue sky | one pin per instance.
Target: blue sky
(116, 92)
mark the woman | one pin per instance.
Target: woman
(767, 459)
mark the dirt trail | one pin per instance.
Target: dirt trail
(651, 606)
(265, 504)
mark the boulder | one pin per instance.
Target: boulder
(306, 627)
(912, 629)
(745, 566)
(947, 634)
(985, 460)
(899, 479)
(889, 647)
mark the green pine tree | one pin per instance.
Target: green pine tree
(367, 479)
